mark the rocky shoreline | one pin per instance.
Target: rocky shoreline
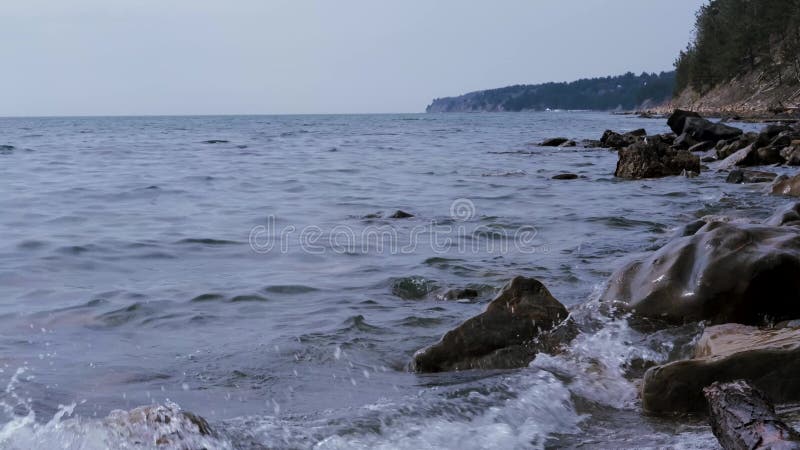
(738, 283)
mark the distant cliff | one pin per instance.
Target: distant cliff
(744, 58)
(624, 92)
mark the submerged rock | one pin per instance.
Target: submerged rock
(400, 214)
(749, 176)
(769, 358)
(652, 158)
(413, 288)
(216, 141)
(521, 321)
(565, 176)
(166, 425)
(554, 142)
(460, 294)
(723, 272)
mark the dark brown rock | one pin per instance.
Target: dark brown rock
(651, 158)
(701, 147)
(724, 272)
(704, 130)
(677, 120)
(769, 358)
(521, 321)
(612, 139)
(553, 142)
(400, 214)
(787, 215)
(785, 185)
(743, 418)
(565, 176)
(460, 294)
(750, 176)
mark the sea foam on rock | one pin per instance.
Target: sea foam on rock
(521, 321)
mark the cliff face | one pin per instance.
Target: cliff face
(754, 93)
(626, 92)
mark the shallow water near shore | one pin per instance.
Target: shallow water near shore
(231, 265)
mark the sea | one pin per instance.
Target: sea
(249, 269)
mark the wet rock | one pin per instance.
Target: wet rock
(569, 143)
(769, 358)
(521, 321)
(215, 141)
(724, 272)
(749, 176)
(591, 143)
(460, 294)
(708, 159)
(701, 147)
(747, 156)
(791, 153)
(787, 215)
(744, 418)
(684, 141)
(553, 142)
(413, 288)
(375, 215)
(677, 120)
(651, 158)
(400, 214)
(704, 130)
(166, 425)
(612, 139)
(785, 185)
(731, 146)
(565, 176)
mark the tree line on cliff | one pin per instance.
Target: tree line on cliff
(628, 91)
(733, 37)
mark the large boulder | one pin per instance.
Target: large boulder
(720, 272)
(677, 120)
(652, 158)
(521, 321)
(785, 185)
(769, 358)
(702, 130)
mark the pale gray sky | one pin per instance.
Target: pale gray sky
(98, 57)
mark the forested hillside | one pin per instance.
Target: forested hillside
(626, 92)
(745, 55)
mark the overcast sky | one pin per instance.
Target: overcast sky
(109, 57)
